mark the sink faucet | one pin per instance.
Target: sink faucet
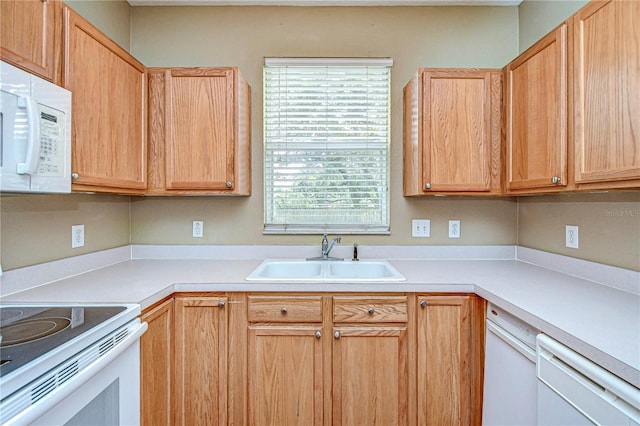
(327, 246)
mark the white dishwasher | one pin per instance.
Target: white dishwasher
(510, 383)
(572, 390)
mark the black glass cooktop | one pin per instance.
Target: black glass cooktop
(30, 332)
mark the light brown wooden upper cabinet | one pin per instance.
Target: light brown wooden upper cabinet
(606, 55)
(452, 133)
(109, 110)
(200, 135)
(536, 116)
(31, 36)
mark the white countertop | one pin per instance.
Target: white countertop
(598, 321)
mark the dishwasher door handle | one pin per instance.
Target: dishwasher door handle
(598, 394)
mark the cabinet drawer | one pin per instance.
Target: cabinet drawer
(285, 309)
(370, 309)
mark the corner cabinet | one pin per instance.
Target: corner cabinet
(450, 356)
(157, 366)
(201, 360)
(452, 132)
(199, 131)
(606, 62)
(109, 110)
(536, 116)
(31, 36)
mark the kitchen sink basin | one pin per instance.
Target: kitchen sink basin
(325, 271)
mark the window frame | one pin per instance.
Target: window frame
(383, 227)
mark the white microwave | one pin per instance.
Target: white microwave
(35, 141)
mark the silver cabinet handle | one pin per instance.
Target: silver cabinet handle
(371, 311)
(427, 185)
(423, 303)
(318, 335)
(75, 176)
(229, 184)
(555, 180)
(283, 310)
(336, 335)
(221, 304)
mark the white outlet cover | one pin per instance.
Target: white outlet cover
(198, 229)
(571, 236)
(454, 229)
(77, 236)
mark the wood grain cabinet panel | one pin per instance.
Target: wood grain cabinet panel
(450, 359)
(156, 366)
(452, 132)
(299, 309)
(606, 54)
(370, 375)
(201, 360)
(286, 378)
(31, 36)
(199, 128)
(370, 309)
(109, 110)
(536, 116)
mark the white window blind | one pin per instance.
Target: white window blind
(326, 136)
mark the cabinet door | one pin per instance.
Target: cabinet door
(201, 361)
(450, 360)
(606, 92)
(109, 113)
(30, 34)
(156, 366)
(536, 108)
(461, 130)
(200, 136)
(370, 375)
(285, 375)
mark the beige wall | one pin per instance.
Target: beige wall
(37, 228)
(609, 226)
(538, 17)
(413, 36)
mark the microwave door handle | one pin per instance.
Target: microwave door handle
(30, 165)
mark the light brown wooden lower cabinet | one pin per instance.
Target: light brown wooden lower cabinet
(156, 366)
(450, 357)
(200, 396)
(305, 359)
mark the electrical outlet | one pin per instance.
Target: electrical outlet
(198, 229)
(454, 229)
(77, 236)
(421, 228)
(571, 236)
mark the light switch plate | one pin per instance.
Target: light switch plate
(421, 228)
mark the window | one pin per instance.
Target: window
(326, 137)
